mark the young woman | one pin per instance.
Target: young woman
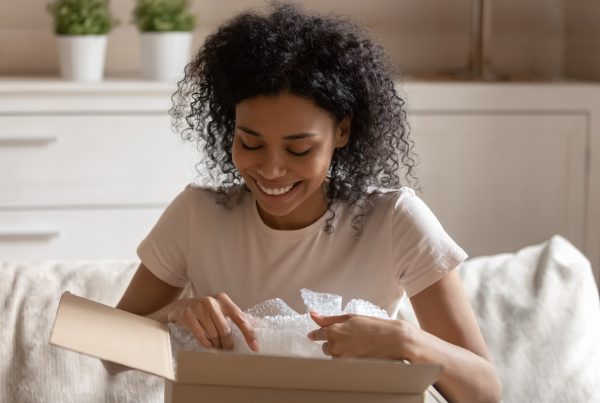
(304, 134)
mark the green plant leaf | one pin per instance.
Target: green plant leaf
(81, 17)
(163, 16)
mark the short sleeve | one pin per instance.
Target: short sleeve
(165, 250)
(423, 251)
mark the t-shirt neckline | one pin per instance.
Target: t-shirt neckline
(318, 225)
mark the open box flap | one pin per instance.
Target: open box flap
(357, 375)
(100, 331)
(111, 334)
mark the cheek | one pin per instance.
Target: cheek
(324, 158)
(240, 159)
(317, 167)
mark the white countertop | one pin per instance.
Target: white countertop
(48, 84)
(22, 94)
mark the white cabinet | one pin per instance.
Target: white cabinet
(85, 170)
(499, 182)
(85, 159)
(75, 232)
(509, 165)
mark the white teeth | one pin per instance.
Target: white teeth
(275, 192)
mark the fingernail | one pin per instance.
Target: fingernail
(254, 346)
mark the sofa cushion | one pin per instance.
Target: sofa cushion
(539, 313)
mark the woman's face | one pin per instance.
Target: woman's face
(282, 147)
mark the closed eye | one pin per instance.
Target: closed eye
(301, 154)
(247, 147)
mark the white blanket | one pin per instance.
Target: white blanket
(539, 312)
(31, 370)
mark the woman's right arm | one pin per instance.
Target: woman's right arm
(205, 317)
(146, 295)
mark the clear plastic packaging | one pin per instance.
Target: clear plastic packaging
(279, 329)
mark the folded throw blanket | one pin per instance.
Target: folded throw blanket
(31, 370)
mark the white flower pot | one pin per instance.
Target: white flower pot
(82, 57)
(165, 55)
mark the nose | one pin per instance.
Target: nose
(272, 167)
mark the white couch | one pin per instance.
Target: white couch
(538, 310)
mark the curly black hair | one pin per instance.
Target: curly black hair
(328, 59)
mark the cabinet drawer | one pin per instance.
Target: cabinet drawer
(74, 234)
(84, 160)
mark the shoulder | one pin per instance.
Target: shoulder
(392, 199)
(205, 201)
(205, 196)
(405, 208)
(381, 207)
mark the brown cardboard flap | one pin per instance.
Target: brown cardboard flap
(190, 393)
(226, 369)
(104, 332)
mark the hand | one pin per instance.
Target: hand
(206, 318)
(364, 336)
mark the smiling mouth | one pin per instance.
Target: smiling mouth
(276, 191)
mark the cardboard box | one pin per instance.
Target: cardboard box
(100, 331)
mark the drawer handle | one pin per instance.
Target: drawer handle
(27, 235)
(27, 140)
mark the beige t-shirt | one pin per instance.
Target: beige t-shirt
(402, 247)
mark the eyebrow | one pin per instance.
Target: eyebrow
(296, 136)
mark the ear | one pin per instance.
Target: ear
(342, 132)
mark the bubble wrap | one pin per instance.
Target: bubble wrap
(279, 329)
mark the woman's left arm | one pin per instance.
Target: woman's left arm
(451, 337)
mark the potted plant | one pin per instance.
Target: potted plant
(166, 37)
(82, 27)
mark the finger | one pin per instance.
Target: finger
(190, 321)
(206, 321)
(318, 334)
(237, 316)
(242, 323)
(325, 321)
(325, 348)
(223, 329)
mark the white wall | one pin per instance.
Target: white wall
(424, 37)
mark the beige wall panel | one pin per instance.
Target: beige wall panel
(583, 39)
(531, 39)
(527, 38)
